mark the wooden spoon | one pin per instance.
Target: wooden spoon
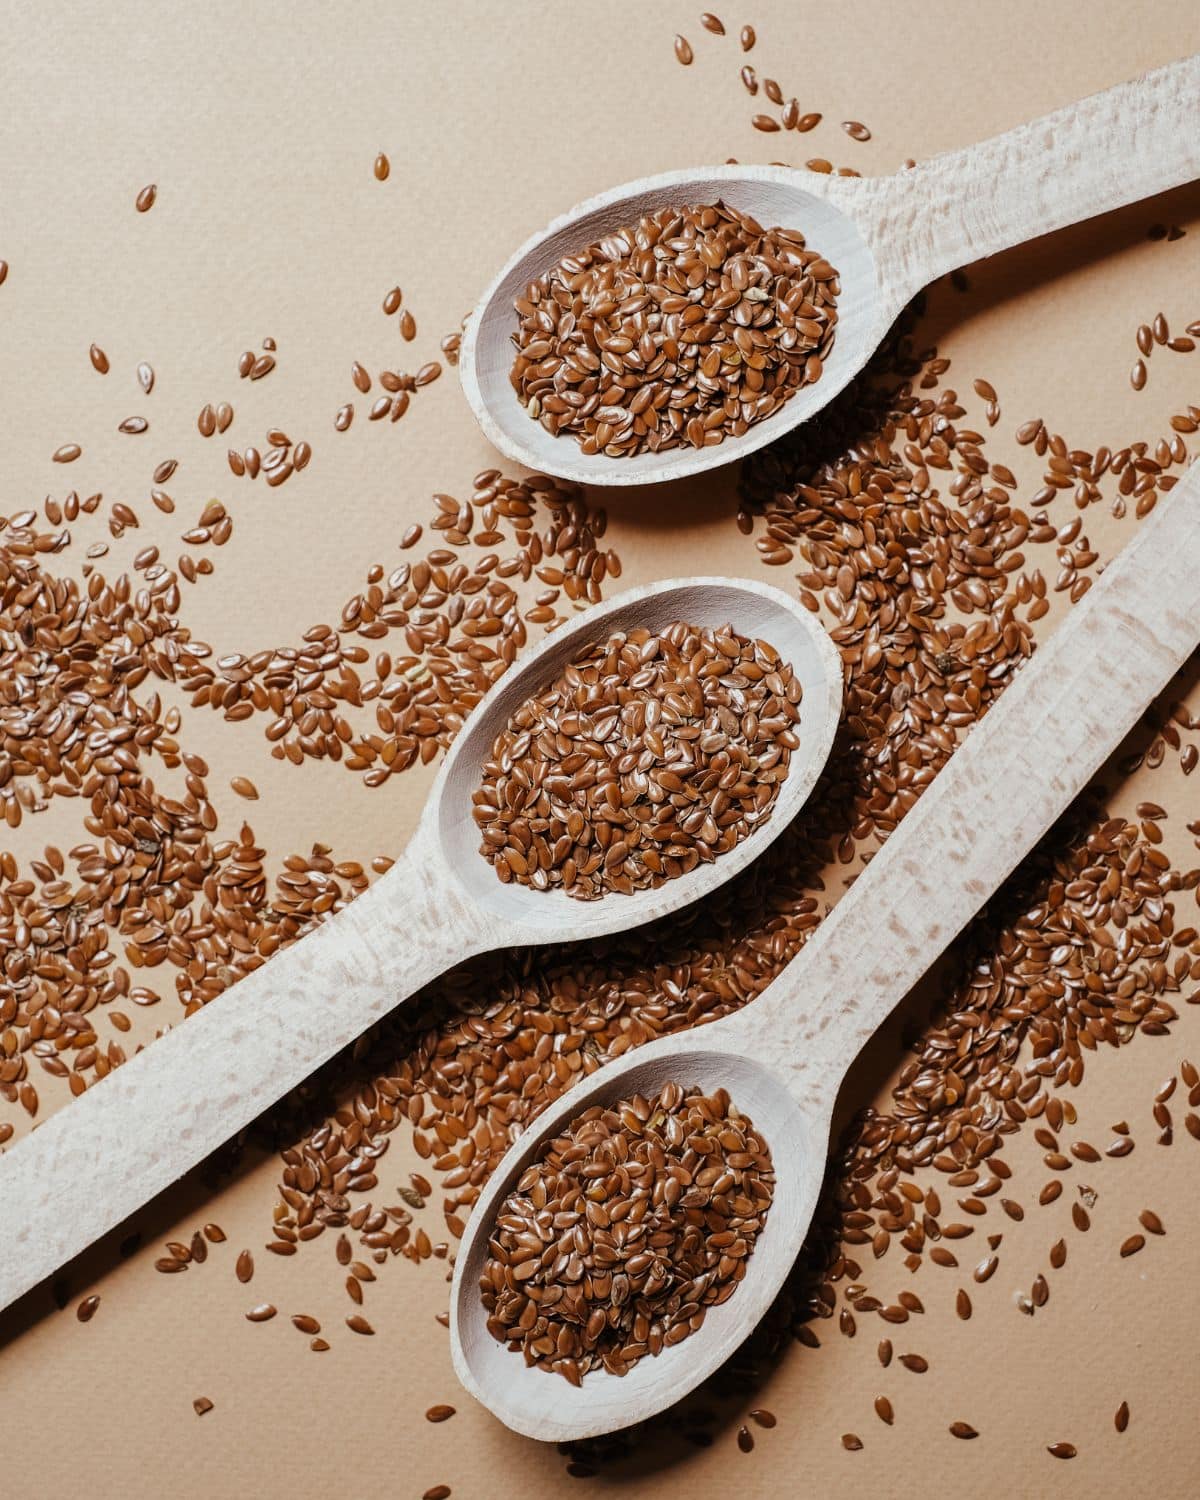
(784, 1057)
(887, 236)
(144, 1125)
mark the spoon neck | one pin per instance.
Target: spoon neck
(1113, 148)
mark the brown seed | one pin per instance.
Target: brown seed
(683, 50)
(917, 1363)
(808, 122)
(712, 23)
(1150, 1221)
(201, 1405)
(408, 326)
(763, 1417)
(437, 1492)
(765, 122)
(145, 375)
(1121, 1417)
(747, 38)
(962, 1430)
(67, 454)
(262, 1313)
(360, 377)
(214, 1234)
(99, 359)
(1137, 375)
(318, 1346)
(1132, 1245)
(244, 787)
(859, 132)
(850, 1441)
(884, 1410)
(358, 1324)
(133, 424)
(962, 1304)
(245, 1266)
(1058, 1255)
(305, 1323)
(391, 302)
(145, 199)
(382, 168)
(86, 1310)
(1062, 1450)
(439, 1413)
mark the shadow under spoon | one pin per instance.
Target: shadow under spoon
(783, 1058)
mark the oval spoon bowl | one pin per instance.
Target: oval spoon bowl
(541, 1404)
(772, 195)
(753, 609)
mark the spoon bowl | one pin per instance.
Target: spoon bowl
(756, 610)
(887, 237)
(540, 1404)
(773, 196)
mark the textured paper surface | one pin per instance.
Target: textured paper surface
(259, 125)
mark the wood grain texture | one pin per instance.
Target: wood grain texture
(888, 237)
(783, 1058)
(131, 1135)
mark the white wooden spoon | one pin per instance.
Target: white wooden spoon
(887, 236)
(784, 1057)
(143, 1126)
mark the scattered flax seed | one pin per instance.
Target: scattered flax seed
(145, 199)
(1080, 1218)
(747, 38)
(245, 1266)
(345, 415)
(392, 301)
(808, 122)
(3, 272)
(305, 1323)
(145, 375)
(1121, 1417)
(884, 1410)
(859, 132)
(439, 1413)
(262, 1313)
(1150, 1221)
(67, 454)
(319, 1346)
(763, 1417)
(851, 1442)
(962, 1430)
(683, 50)
(712, 23)
(884, 1352)
(689, 1168)
(202, 1405)
(1137, 375)
(408, 326)
(437, 1492)
(765, 123)
(1132, 1245)
(382, 168)
(358, 1324)
(244, 787)
(86, 1310)
(1058, 1254)
(962, 1304)
(678, 331)
(133, 424)
(99, 359)
(917, 1363)
(650, 754)
(1062, 1450)
(749, 80)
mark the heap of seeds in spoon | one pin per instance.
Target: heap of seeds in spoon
(629, 1225)
(681, 330)
(649, 754)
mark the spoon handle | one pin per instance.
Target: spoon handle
(1125, 144)
(143, 1126)
(1018, 771)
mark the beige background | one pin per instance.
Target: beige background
(260, 124)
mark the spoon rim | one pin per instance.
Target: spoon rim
(607, 1403)
(839, 193)
(553, 916)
